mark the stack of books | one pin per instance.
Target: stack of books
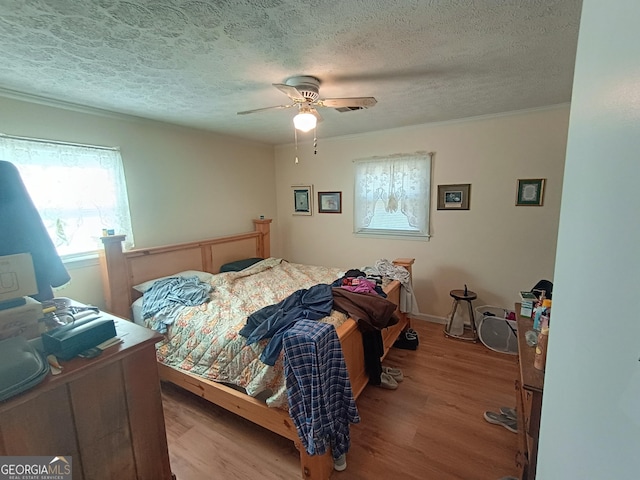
(527, 301)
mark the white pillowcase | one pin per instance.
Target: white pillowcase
(202, 276)
(136, 312)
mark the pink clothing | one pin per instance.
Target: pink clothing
(363, 286)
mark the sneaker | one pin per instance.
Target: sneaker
(340, 463)
(509, 412)
(396, 373)
(388, 382)
(501, 419)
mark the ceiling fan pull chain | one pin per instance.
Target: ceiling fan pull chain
(315, 140)
(295, 136)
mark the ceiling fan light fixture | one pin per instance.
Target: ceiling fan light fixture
(304, 121)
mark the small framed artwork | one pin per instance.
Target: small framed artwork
(530, 192)
(454, 197)
(329, 202)
(302, 204)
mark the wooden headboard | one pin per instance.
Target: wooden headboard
(121, 270)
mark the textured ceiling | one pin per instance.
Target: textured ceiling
(197, 63)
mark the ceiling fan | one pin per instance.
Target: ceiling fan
(304, 92)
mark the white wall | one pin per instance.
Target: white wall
(591, 407)
(183, 184)
(495, 248)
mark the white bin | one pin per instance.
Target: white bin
(495, 330)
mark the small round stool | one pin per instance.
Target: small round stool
(462, 296)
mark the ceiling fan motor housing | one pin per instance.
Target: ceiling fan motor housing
(308, 87)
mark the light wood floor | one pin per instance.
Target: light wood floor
(431, 427)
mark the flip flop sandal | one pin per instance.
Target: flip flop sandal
(387, 381)
(501, 419)
(509, 412)
(396, 373)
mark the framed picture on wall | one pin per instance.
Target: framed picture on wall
(454, 197)
(530, 192)
(329, 202)
(302, 204)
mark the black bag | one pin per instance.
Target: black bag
(543, 285)
(21, 367)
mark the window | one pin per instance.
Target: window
(78, 190)
(392, 195)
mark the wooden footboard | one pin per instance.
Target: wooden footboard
(316, 467)
(122, 270)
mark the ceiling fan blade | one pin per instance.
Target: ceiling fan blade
(276, 107)
(291, 92)
(355, 102)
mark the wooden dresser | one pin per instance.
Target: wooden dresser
(529, 389)
(106, 413)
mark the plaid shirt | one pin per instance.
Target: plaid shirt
(321, 402)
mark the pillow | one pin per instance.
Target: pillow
(239, 265)
(136, 312)
(202, 276)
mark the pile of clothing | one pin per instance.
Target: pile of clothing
(379, 315)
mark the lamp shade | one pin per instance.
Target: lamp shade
(304, 121)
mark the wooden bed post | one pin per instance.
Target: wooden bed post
(406, 263)
(314, 467)
(262, 225)
(116, 292)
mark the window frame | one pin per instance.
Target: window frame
(367, 232)
(27, 153)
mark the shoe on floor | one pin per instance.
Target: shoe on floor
(501, 419)
(412, 332)
(396, 373)
(407, 341)
(509, 412)
(388, 382)
(340, 463)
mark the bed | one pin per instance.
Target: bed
(122, 270)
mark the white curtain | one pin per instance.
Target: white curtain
(392, 194)
(78, 190)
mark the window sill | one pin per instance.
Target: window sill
(392, 236)
(81, 260)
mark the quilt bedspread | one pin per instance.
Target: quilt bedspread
(204, 340)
